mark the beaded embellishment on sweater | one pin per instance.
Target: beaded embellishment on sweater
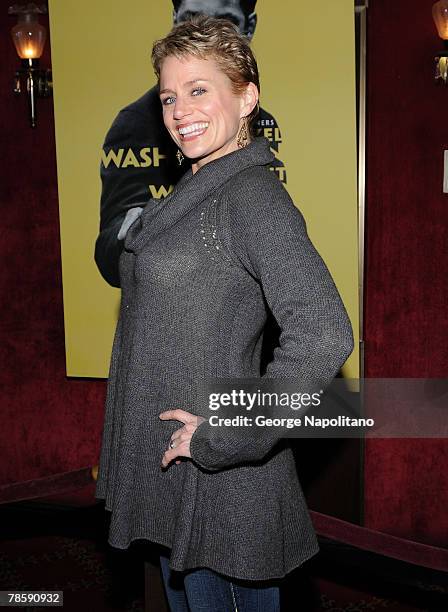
(209, 232)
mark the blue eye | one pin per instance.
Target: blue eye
(197, 91)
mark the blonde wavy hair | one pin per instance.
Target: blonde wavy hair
(211, 38)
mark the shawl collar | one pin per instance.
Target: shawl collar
(192, 189)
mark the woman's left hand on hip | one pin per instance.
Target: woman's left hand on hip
(179, 443)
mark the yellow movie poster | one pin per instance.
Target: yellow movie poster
(109, 132)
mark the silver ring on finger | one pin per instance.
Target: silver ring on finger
(171, 444)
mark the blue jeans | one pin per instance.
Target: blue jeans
(205, 591)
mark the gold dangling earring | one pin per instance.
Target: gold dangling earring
(243, 136)
(180, 157)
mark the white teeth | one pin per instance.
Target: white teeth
(194, 127)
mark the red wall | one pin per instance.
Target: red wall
(406, 322)
(52, 424)
(49, 424)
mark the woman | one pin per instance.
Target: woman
(198, 273)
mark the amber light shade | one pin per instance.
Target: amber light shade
(29, 37)
(440, 16)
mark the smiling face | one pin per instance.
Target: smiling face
(200, 109)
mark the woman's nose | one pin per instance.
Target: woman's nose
(181, 108)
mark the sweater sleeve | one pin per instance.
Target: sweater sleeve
(268, 237)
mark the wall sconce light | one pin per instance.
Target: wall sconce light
(440, 16)
(29, 39)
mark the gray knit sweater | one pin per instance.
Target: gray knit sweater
(198, 271)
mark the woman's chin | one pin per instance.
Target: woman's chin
(194, 152)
